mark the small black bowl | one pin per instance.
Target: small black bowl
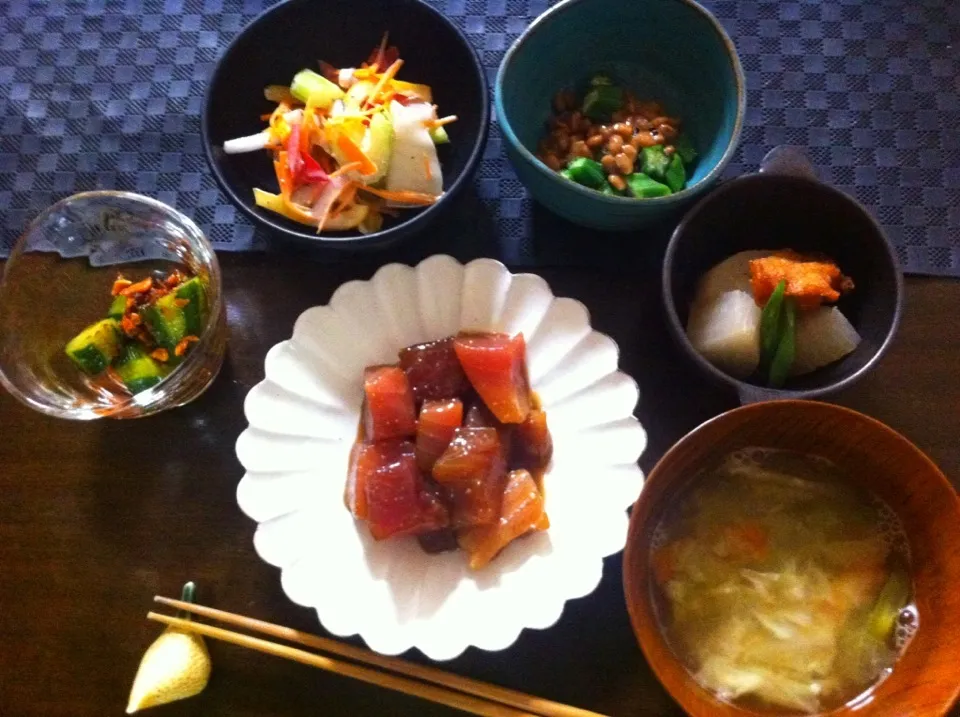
(784, 206)
(296, 34)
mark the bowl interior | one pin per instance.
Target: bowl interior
(299, 34)
(924, 680)
(766, 211)
(665, 50)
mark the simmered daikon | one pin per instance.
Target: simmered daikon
(726, 323)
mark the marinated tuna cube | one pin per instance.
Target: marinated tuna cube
(433, 506)
(438, 421)
(479, 416)
(433, 370)
(521, 512)
(439, 541)
(398, 501)
(532, 445)
(389, 411)
(471, 472)
(496, 366)
(355, 494)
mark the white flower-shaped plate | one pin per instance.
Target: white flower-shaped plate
(303, 420)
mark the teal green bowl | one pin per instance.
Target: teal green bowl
(673, 51)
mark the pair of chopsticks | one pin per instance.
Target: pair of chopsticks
(428, 683)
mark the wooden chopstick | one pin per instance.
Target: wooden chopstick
(440, 695)
(512, 698)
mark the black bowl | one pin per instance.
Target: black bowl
(296, 34)
(784, 206)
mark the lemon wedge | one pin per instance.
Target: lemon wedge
(174, 667)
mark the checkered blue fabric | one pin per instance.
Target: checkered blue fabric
(107, 94)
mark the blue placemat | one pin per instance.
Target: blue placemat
(107, 94)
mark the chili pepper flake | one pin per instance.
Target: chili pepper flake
(161, 355)
(130, 323)
(138, 288)
(181, 348)
(119, 285)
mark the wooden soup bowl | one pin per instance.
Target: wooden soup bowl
(926, 679)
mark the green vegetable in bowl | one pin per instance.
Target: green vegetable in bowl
(166, 321)
(883, 616)
(786, 346)
(655, 162)
(439, 135)
(685, 149)
(601, 101)
(117, 308)
(137, 369)
(676, 174)
(95, 347)
(770, 319)
(586, 172)
(312, 88)
(778, 336)
(195, 310)
(643, 186)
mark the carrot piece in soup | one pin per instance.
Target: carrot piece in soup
(521, 511)
(471, 472)
(748, 540)
(497, 369)
(389, 410)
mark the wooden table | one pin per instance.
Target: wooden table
(95, 518)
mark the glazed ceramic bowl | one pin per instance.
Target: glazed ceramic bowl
(673, 51)
(294, 35)
(925, 680)
(303, 422)
(785, 206)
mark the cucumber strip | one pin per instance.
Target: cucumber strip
(166, 321)
(137, 369)
(117, 308)
(439, 135)
(95, 347)
(312, 88)
(195, 312)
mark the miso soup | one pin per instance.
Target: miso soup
(780, 585)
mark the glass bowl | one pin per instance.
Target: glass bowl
(58, 280)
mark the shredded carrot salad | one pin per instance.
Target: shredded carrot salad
(349, 145)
